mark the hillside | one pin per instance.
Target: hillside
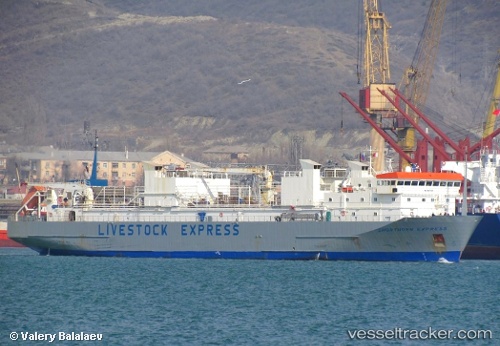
(156, 75)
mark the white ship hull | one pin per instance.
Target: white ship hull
(407, 239)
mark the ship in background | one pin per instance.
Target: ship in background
(483, 193)
(5, 241)
(10, 202)
(315, 213)
(483, 174)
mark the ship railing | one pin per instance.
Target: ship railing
(119, 195)
(114, 218)
(26, 218)
(277, 216)
(292, 174)
(224, 219)
(112, 206)
(119, 218)
(300, 217)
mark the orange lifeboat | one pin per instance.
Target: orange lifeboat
(29, 202)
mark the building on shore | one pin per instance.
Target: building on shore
(51, 165)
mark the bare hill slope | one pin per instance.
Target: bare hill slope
(168, 75)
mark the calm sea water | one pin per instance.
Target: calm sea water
(242, 302)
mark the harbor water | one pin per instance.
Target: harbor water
(126, 301)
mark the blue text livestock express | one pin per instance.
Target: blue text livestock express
(138, 229)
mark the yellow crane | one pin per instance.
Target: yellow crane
(492, 114)
(376, 72)
(416, 79)
(376, 47)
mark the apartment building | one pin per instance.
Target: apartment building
(118, 168)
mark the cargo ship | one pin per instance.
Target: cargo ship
(316, 213)
(483, 193)
(485, 241)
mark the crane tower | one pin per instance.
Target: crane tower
(494, 104)
(416, 79)
(376, 74)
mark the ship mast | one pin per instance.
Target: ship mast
(93, 175)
